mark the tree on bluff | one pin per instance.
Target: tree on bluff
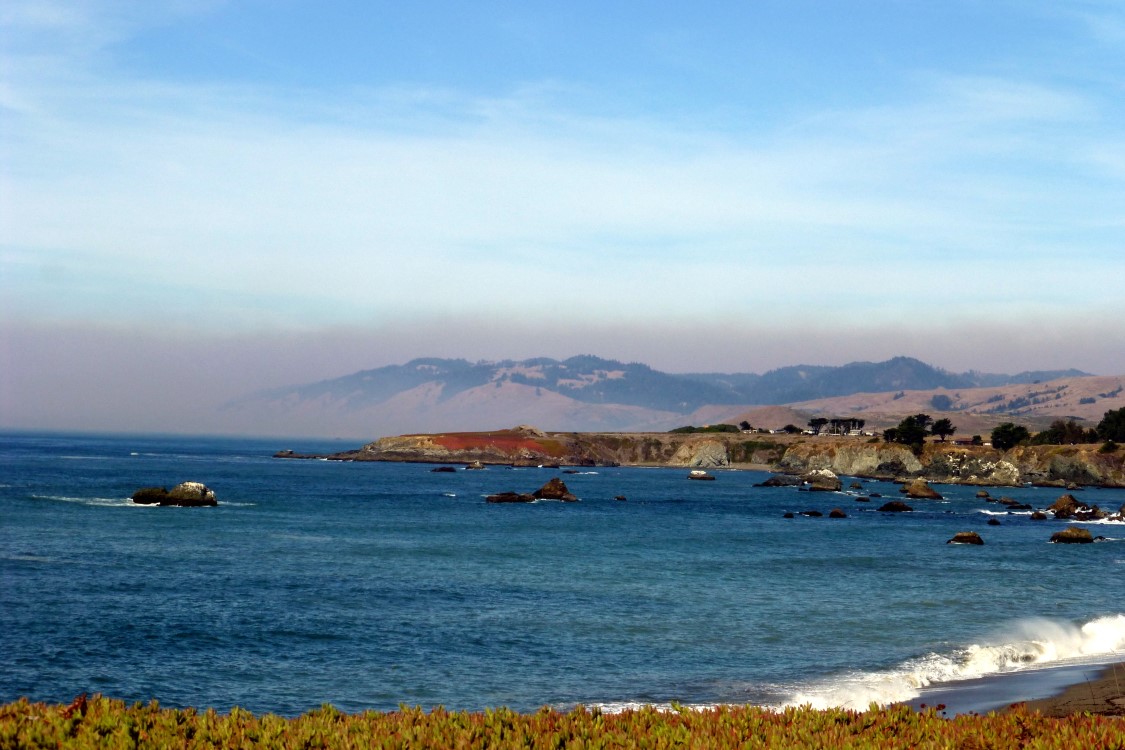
(1009, 435)
(1066, 432)
(1112, 426)
(943, 428)
(911, 431)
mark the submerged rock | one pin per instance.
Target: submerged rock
(895, 506)
(781, 480)
(511, 497)
(837, 513)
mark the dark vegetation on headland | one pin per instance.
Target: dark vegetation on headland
(99, 722)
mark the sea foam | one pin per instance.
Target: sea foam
(1029, 644)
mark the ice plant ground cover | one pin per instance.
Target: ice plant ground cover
(100, 722)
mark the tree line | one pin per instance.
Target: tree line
(914, 429)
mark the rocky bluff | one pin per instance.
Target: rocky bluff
(529, 446)
(946, 463)
(1047, 465)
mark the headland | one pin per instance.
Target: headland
(1064, 466)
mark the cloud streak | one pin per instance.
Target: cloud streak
(362, 221)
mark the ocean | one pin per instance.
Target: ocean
(370, 585)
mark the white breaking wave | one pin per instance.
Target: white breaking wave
(1031, 644)
(104, 502)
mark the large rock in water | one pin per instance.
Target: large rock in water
(895, 506)
(184, 495)
(1073, 535)
(966, 537)
(1065, 507)
(919, 490)
(823, 480)
(781, 480)
(555, 490)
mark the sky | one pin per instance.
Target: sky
(200, 199)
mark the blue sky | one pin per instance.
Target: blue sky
(315, 188)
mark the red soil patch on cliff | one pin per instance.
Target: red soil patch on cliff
(504, 440)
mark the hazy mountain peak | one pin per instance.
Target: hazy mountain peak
(585, 392)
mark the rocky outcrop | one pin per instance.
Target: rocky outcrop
(966, 537)
(706, 454)
(885, 460)
(895, 506)
(1065, 507)
(1068, 507)
(1047, 465)
(1073, 535)
(920, 490)
(555, 489)
(782, 480)
(822, 480)
(183, 495)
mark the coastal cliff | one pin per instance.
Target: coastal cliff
(528, 446)
(948, 463)
(1049, 465)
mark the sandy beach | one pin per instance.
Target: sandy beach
(1054, 691)
(1102, 691)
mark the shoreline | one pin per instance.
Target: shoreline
(1056, 691)
(1101, 692)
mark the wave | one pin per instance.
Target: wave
(102, 502)
(1029, 644)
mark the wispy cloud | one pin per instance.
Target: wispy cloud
(164, 184)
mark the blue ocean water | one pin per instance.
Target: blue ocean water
(368, 585)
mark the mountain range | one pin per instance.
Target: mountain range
(586, 393)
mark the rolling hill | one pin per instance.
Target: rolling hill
(588, 393)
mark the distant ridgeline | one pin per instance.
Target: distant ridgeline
(594, 380)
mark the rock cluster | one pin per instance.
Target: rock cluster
(555, 489)
(1068, 508)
